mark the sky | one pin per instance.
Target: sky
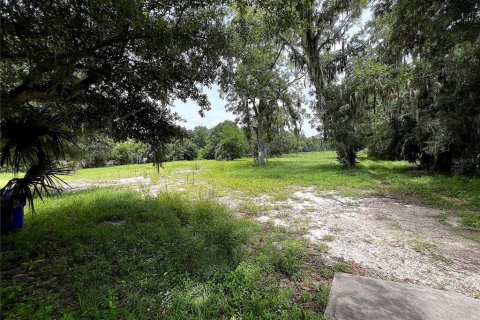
(189, 110)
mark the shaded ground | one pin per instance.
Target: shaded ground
(115, 254)
(394, 239)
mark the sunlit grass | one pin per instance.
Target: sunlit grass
(116, 254)
(319, 169)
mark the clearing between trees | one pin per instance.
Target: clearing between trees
(304, 218)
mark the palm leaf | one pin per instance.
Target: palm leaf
(32, 137)
(40, 179)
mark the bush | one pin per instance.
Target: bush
(93, 150)
(380, 142)
(225, 141)
(284, 142)
(467, 166)
(130, 151)
(232, 145)
(181, 150)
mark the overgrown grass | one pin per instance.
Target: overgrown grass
(107, 254)
(320, 169)
(116, 254)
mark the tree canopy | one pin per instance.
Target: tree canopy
(110, 65)
(404, 87)
(261, 89)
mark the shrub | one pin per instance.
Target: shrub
(181, 150)
(380, 142)
(130, 151)
(466, 166)
(233, 143)
(225, 141)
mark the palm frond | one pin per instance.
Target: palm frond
(32, 137)
(40, 179)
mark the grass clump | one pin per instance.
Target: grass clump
(423, 246)
(323, 247)
(110, 254)
(322, 295)
(285, 256)
(472, 220)
(250, 209)
(328, 237)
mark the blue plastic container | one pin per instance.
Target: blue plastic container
(17, 217)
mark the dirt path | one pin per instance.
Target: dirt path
(398, 241)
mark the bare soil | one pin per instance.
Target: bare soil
(395, 239)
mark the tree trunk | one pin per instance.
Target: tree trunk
(261, 146)
(346, 155)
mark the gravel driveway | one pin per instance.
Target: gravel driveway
(397, 241)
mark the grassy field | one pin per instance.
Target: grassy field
(104, 254)
(113, 253)
(459, 194)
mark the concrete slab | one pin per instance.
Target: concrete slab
(360, 298)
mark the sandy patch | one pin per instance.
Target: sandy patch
(398, 241)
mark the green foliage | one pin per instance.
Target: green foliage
(260, 86)
(379, 144)
(31, 140)
(322, 295)
(117, 76)
(199, 136)
(93, 150)
(284, 142)
(468, 166)
(341, 120)
(225, 142)
(184, 149)
(110, 254)
(472, 220)
(129, 151)
(233, 143)
(320, 169)
(314, 143)
(121, 72)
(286, 255)
(324, 25)
(425, 85)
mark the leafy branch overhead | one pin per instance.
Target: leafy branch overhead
(109, 67)
(98, 61)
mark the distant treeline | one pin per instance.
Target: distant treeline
(225, 141)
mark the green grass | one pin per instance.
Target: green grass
(422, 246)
(111, 254)
(458, 194)
(118, 254)
(208, 178)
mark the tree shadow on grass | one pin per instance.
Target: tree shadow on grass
(90, 248)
